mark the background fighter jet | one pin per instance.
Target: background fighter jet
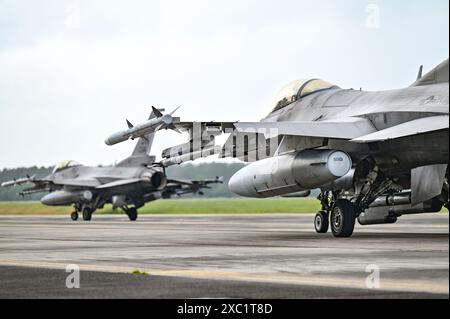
(127, 185)
(375, 156)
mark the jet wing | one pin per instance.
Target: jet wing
(124, 186)
(78, 182)
(174, 182)
(199, 183)
(120, 183)
(419, 126)
(347, 128)
(181, 187)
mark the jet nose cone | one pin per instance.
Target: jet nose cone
(241, 184)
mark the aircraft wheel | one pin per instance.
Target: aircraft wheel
(132, 214)
(321, 222)
(74, 216)
(87, 214)
(343, 218)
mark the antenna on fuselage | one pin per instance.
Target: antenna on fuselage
(419, 75)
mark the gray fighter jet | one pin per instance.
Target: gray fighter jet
(128, 185)
(375, 156)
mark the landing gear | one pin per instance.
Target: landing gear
(322, 219)
(132, 213)
(87, 214)
(343, 216)
(321, 222)
(74, 216)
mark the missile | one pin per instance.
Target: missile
(18, 181)
(154, 124)
(186, 148)
(176, 160)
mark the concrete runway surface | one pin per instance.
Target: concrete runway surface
(220, 256)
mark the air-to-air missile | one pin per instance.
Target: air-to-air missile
(187, 157)
(18, 181)
(154, 124)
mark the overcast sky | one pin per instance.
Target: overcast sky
(71, 72)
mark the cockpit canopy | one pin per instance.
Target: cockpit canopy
(65, 164)
(298, 89)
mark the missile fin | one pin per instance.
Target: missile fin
(159, 127)
(157, 112)
(174, 128)
(129, 124)
(176, 109)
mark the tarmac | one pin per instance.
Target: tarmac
(222, 256)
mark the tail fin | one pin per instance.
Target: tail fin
(140, 155)
(438, 75)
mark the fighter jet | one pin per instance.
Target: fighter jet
(127, 185)
(375, 156)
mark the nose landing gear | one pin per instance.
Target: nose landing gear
(85, 210)
(343, 217)
(74, 216)
(131, 213)
(87, 214)
(340, 214)
(321, 222)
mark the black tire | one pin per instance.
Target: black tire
(87, 214)
(74, 216)
(343, 218)
(321, 222)
(132, 214)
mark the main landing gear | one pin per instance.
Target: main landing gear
(340, 215)
(86, 213)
